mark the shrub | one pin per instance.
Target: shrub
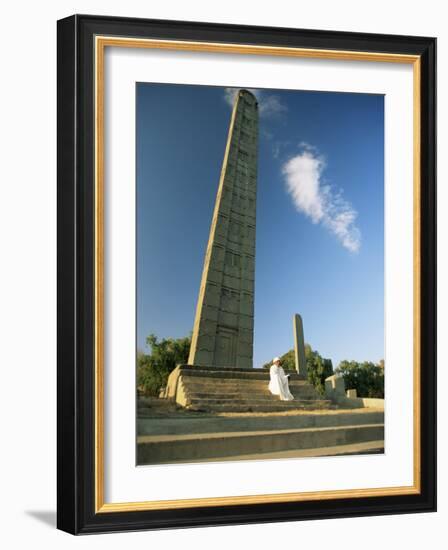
(153, 369)
(366, 378)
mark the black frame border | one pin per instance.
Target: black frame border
(75, 275)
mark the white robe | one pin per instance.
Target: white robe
(278, 384)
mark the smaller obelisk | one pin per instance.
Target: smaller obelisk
(299, 346)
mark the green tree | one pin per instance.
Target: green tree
(318, 368)
(287, 360)
(153, 369)
(366, 378)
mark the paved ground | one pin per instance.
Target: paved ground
(367, 448)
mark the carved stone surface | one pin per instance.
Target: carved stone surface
(224, 321)
(299, 345)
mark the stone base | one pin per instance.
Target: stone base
(367, 448)
(198, 437)
(214, 389)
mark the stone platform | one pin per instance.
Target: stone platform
(216, 414)
(213, 389)
(182, 435)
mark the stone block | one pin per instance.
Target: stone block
(210, 313)
(334, 387)
(247, 308)
(231, 282)
(244, 362)
(207, 327)
(206, 342)
(246, 321)
(247, 285)
(244, 349)
(215, 276)
(205, 356)
(246, 336)
(212, 295)
(228, 319)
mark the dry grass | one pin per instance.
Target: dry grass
(163, 408)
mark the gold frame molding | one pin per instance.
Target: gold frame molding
(101, 42)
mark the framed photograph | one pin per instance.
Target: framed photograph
(246, 274)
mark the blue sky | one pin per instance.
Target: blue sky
(320, 215)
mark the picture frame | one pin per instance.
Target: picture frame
(82, 41)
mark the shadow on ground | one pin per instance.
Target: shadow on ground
(48, 517)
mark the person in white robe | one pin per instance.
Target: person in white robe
(278, 383)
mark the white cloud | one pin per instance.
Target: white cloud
(230, 94)
(269, 105)
(319, 200)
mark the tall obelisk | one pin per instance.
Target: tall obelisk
(223, 330)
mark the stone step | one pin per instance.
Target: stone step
(241, 399)
(244, 399)
(231, 373)
(363, 448)
(189, 422)
(192, 381)
(255, 405)
(235, 389)
(214, 369)
(209, 386)
(144, 412)
(248, 395)
(156, 449)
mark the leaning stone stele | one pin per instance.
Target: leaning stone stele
(223, 330)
